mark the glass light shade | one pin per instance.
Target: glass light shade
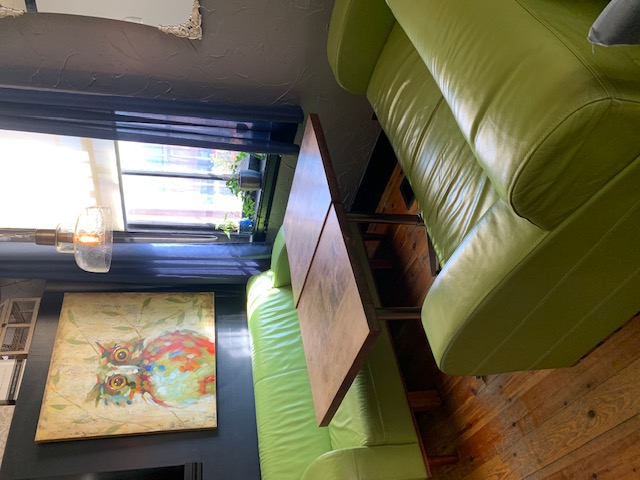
(93, 239)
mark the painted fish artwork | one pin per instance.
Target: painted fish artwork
(131, 363)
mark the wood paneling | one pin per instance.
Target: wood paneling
(581, 422)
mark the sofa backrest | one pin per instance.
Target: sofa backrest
(357, 33)
(549, 118)
(280, 261)
(451, 188)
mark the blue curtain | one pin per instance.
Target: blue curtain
(170, 122)
(195, 124)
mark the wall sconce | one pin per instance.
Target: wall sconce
(91, 240)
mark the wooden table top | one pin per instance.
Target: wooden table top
(312, 192)
(337, 314)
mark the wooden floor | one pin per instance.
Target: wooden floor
(575, 423)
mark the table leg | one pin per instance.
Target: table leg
(398, 313)
(388, 218)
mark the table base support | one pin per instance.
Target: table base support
(386, 218)
(398, 313)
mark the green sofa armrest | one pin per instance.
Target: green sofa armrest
(357, 33)
(514, 297)
(397, 462)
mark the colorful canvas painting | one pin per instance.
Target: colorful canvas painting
(131, 363)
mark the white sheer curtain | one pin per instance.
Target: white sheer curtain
(48, 179)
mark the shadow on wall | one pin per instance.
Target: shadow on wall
(15, 288)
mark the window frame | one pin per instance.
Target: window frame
(264, 202)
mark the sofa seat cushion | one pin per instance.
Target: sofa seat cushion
(516, 297)
(550, 119)
(389, 462)
(451, 188)
(375, 410)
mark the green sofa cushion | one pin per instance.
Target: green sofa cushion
(539, 239)
(451, 188)
(357, 33)
(288, 434)
(550, 120)
(374, 410)
(391, 462)
(287, 431)
(280, 261)
(275, 335)
(515, 297)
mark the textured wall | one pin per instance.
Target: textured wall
(15, 288)
(267, 52)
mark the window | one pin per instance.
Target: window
(173, 187)
(161, 189)
(48, 179)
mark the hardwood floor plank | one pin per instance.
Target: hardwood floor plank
(614, 454)
(500, 427)
(605, 407)
(500, 396)
(476, 412)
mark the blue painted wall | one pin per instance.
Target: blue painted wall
(229, 452)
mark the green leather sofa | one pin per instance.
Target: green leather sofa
(521, 141)
(372, 433)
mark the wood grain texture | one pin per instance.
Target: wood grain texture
(337, 321)
(424, 400)
(407, 246)
(337, 314)
(311, 194)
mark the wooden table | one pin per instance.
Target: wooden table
(337, 313)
